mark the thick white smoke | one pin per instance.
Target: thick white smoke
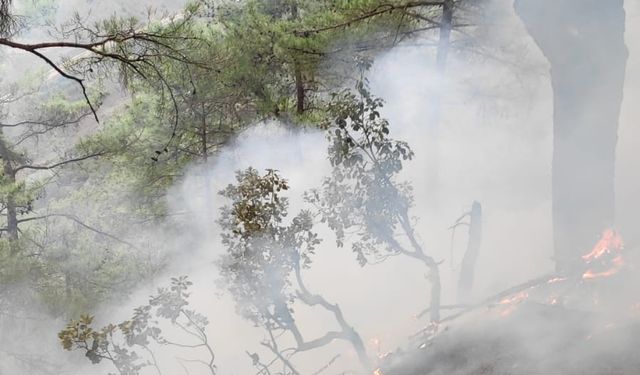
(494, 146)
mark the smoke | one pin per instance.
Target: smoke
(627, 178)
(494, 145)
(493, 149)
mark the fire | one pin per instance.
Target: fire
(610, 241)
(556, 280)
(610, 244)
(516, 298)
(378, 372)
(511, 302)
(589, 275)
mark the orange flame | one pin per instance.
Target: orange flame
(609, 243)
(590, 275)
(516, 298)
(511, 302)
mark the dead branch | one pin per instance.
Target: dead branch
(325, 367)
(497, 297)
(442, 307)
(273, 346)
(347, 332)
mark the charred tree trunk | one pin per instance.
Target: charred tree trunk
(584, 43)
(467, 270)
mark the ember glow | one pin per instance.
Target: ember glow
(556, 280)
(516, 298)
(510, 303)
(605, 256)
(609, 242)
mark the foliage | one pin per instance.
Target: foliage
(123, 344)
(194, 81)
(363, 191)
(278, 47)
(262, 250)
(263, 265)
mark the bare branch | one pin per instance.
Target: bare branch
(79, 222)
(42, 123)
(59, 164)
(80, 81)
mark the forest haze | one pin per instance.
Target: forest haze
(305, 187)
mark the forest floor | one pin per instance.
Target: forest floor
(582, 325)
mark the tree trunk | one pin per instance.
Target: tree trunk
(10, 203)
(435, 117)
(203, 134)
(298, 70)
(299, 89)
(436, 293)
(467, 270)
(584, 43)
(446, 25)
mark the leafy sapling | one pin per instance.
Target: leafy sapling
(267, 251)
(363, 194)
(131, 345)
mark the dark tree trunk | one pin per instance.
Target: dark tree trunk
(12, 213)
(10, 203)
(203, 134)
(584, 43)
(435, 117)
(467, 270)
(298, 71)
(446, 25)
(299, 89)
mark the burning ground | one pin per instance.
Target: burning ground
(585, 323)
